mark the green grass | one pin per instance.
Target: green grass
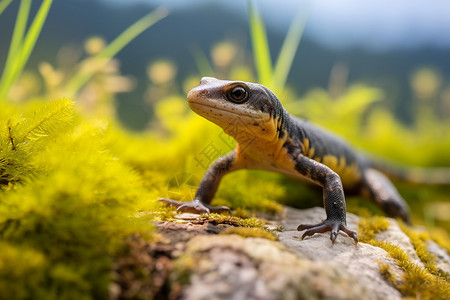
(261, 51)
(3, 5)
(271, 76)
(81, 77)
(22, 43)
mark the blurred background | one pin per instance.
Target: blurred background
(401, 47)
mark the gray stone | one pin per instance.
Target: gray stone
(362, 261)
(233, 267)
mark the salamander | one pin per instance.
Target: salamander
(269, 138)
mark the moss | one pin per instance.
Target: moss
(368, 228)
(162, 213)
(385, 271)
(441, 237)
(241, 213)
(68, 205)
(235, 221)
(251, 190)
(251, 232)
(418, 240)
(415, 282)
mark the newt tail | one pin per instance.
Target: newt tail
(415, 175)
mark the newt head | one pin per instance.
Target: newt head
(242, 109)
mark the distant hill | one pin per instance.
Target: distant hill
(72, 21)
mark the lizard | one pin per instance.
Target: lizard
(269, 138)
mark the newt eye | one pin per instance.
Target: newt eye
(238, 94)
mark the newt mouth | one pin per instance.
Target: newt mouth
(225, 110)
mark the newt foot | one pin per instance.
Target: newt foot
(195, 206)
(328, 225)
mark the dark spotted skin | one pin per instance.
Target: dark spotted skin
(268, 138)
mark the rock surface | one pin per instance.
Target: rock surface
(361, 263)
(201, 263)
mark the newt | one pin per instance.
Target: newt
(269, 138)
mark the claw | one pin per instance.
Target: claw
(350, 233)
(319, 228)
(194, 206)
(302, 227)
(334, 232)
(328, 225)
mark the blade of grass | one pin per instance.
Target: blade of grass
(81, 77)
(26, 47)
(202, 62)
(16, 44)
(261, 51)
(288, 50)
(3, 5)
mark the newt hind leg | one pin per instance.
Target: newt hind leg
(381, 191)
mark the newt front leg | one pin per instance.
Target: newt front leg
(333, 198)
(208, 187)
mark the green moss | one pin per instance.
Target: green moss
(368, 228)
(415, 282)
(441, 237)
(251, 232)
(418, 240)
(251, 190)
(385, 271)
(67, 206)
(235, 221)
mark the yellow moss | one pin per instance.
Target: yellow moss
(163, 214)
(418, 240)
(387, 274)
(251, 232)
(235, 221)
(271, 207)
(241, 213)
(368, 228)
(441, 237)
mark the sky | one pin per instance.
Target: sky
(378, 25)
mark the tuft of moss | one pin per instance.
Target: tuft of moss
(385, 271)
(369, 227)
(251, 232)
(235, 221)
